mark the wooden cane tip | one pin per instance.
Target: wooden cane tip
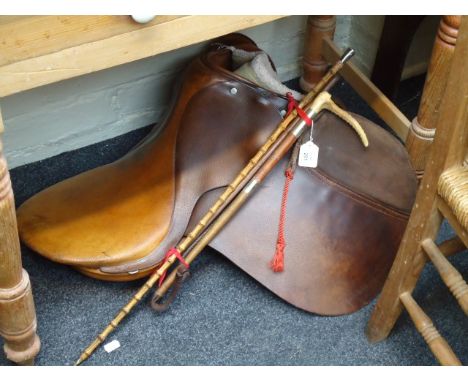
(80, 361)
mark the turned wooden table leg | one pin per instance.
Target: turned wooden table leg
(314, 65)
(17, 312)
(422, 131)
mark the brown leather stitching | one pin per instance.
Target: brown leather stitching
(362, 199)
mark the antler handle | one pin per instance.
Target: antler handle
(324, 101)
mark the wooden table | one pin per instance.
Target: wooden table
(39, 50)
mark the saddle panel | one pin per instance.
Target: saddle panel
(340, 242)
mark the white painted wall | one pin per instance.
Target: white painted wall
(56, 118)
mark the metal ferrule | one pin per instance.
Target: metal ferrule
(301, 124)
(347, 55)
(250, 186)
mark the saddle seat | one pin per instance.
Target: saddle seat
(119, 213)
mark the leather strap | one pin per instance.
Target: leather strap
(182, 274)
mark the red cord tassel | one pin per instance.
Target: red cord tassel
(277, 264)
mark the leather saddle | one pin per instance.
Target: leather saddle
(344, 222)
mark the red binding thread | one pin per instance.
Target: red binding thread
(169, 253)
(277, 264)
(292, 104)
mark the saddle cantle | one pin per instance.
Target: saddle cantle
(344, 222)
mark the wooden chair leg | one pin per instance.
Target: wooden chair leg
(404, 273)
(448, 273)
(439, 347)
(314, 65)
(422, 130)
(17, 312)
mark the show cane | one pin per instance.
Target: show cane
(220, 204)
(327, 82)
(323, 101)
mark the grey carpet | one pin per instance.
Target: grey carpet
(222, 316)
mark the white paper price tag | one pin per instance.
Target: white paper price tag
(111, 346)
(308, 155)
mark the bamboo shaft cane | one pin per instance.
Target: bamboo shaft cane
(204, 222)
(326, 83)
(293, 133)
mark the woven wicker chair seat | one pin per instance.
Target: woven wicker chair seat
(453, 188)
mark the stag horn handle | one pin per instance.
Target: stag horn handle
(324, 101)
